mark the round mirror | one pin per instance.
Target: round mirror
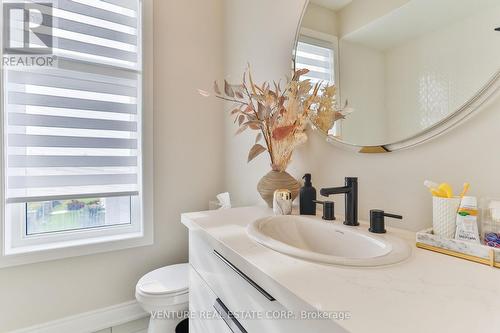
(406, 71)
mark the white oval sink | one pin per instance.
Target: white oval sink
(315, 240)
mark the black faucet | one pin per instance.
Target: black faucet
(351, 199)
(377, 220)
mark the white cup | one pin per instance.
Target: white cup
(444, 216)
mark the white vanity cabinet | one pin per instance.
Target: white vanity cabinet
(201, 305)
(220, 283)
(230, 266)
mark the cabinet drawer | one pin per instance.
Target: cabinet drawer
(255, 308)
(201, 306)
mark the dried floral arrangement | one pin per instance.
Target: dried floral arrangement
(279, 115)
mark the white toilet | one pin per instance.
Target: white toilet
(164, 292)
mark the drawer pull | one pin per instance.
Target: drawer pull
(228, 317)
(246, 278)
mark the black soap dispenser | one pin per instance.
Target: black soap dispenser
(307, 197)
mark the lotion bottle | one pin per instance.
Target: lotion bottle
(307, 197)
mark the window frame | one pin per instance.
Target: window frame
(19, 249)
(322, 39)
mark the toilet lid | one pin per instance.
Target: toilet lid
(166, 280)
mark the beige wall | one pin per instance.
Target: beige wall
(392, 181)
(188, 171)
(360, 12)
(320, 19)
(362, 73)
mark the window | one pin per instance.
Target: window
(317, 52)
(72, 131)
(318, 57)
(76, 214)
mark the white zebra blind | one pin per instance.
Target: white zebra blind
(318, 59)
(73, 130)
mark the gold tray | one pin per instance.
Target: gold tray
(478, 253)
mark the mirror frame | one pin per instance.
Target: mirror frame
(454, 119)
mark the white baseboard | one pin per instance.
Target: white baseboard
(91, 321)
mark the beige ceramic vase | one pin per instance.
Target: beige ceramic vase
(276, 180)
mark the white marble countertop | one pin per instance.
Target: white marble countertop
(428, 293)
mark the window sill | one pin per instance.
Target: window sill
(75, 248)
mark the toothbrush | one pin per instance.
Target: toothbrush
(447, 189)
(465, 190)
(443, 190)
(438, 193)
(435, 189)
